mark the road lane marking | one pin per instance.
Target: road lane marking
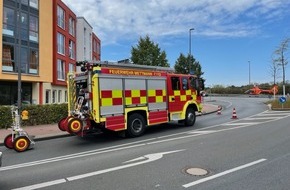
(143, 143)
(142, 160)
(223, 173)
(42, 185)
(261, 118)
(232, 124)
(202, 132)
(67, 157)
(150, 158)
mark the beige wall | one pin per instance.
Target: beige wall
(45, 46)
(46, 40)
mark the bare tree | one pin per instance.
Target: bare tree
(274, 69)
(281, 59)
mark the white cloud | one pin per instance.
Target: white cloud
(127, 19)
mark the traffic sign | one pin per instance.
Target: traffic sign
(282, 100)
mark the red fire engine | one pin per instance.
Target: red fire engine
(129, 97)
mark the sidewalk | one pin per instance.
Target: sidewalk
(42, 132)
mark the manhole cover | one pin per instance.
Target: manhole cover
(196, 171)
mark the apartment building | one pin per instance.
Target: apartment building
(27, 48)
(64, 52)
(39, 39)
(88, 44)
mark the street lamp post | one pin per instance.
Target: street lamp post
(190, 41)
(249, 72)
(19, 91)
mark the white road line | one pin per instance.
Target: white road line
(62, 158)
(259, 118)
(273, 114)
(135, 144)
(223, 173)
(233, 124)
(278, 112)
(147, 158)
(202, 132)
(42, 185)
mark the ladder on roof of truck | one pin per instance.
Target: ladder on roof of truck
(126, 65)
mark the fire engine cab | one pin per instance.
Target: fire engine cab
(129, 97)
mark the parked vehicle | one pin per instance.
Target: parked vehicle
(129, 97)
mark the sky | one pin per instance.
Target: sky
(233, 40)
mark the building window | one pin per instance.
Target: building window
(47, 96)
(8, 21)
(24, 26)
(8, 63)
(60, 43)
(65, 96)
(71, 23)
(71, 49)
(24, 2)
(33, 29)
(60, 17)
(34, 4)
(94, 46)
(71, 67)
(33, 65)
(90, 45)
(54, 96)
(60, 70)
(24, 60)
(59, 96)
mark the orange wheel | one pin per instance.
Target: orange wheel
(75, 125)
(8, 141)
(21, 143)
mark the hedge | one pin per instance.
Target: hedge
(37, 114)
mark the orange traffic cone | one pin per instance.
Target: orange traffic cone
(219, 112)
(234, 116)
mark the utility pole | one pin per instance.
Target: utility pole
(249, 73)
(190, 41)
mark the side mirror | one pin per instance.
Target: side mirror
(201, 84)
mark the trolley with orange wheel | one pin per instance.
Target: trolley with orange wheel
(19, 140)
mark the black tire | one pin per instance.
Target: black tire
(189, 117)
(135, 125)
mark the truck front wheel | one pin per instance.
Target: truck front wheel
(135, 125)
(190, 117)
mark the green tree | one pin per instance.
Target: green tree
(148, 53)
(186, 65)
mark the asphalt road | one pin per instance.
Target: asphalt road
(251, 152)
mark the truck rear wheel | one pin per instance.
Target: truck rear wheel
(135, 125)
(190, 117)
